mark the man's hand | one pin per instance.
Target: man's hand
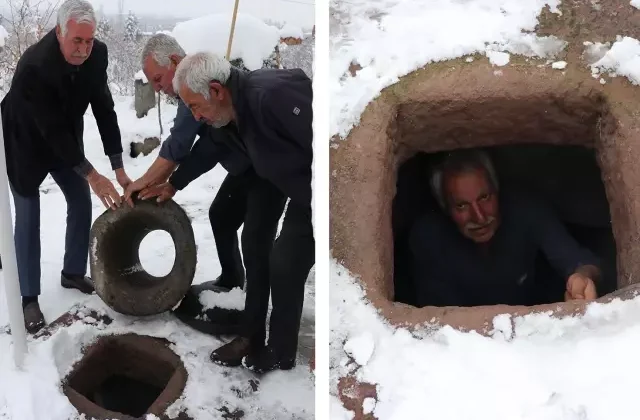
(122, 178)
(580, 287)
(164, 192)
(137, 185)
(104, 189)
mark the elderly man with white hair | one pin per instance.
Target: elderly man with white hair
(271, 109)
(55, 81)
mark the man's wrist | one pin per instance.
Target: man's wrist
(590, 271)
(84, 169)
(116, 161)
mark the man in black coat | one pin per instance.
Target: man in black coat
(272, 112)
(42, 114)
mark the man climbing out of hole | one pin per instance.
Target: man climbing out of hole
(243, 197)
(43, 115)
(270, 112)
(481, 249)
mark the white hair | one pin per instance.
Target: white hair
(161, 47)
(198, 70)
(79, 10)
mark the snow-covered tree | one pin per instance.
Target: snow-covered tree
(132, 28)
(104, 31)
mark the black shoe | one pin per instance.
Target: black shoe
(228, 283)
(82, 283)
(267, 360)
(33, 318)
(232, 353)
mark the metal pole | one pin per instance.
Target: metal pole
(9, 264)
(233, 28)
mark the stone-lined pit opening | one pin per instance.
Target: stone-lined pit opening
(126, 377)
(443, 108)
(568, 178)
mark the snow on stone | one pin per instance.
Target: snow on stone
(498, 58)
(560, 65)
(390, 39)
(368, 405)
(549, 370)
(253, 40)
(233, 299)
(360, 348)
(622, 59)
(291, 31)
(3, 36)
(140, 76)
(635, 3)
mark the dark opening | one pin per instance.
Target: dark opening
(567, 177)
(124, 374)
(125, 395)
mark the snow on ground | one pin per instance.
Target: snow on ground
(391, 38)
(233, 299)
(622, 59)
(576, 368)
(34, 394)
(253, 40)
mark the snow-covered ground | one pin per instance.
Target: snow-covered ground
(577, 368)
(34, 394)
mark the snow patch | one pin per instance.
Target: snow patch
(390, 39)
(368, 405)
(253, 40)
(635, 3)
(360, 348)
(233, 299)
(141, 76)
(622, 59)
(560, 65)
(291, 31)
(3, 36)
(498, 58)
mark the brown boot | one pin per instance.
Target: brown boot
(33, 318)
(231, 354)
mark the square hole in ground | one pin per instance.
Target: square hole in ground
(128, 375)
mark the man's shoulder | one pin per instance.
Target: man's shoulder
(276, 81)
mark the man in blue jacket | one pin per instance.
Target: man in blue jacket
(271, 111)
(242, 198)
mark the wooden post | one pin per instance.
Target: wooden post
(233, 28)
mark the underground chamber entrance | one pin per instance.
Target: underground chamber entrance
(565, 178)
(126, 377)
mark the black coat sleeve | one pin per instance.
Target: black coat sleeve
(204, 156)
(39, 99)
(103, 110)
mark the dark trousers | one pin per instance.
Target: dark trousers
(258, 204)
(27, 231)
(290, 261)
